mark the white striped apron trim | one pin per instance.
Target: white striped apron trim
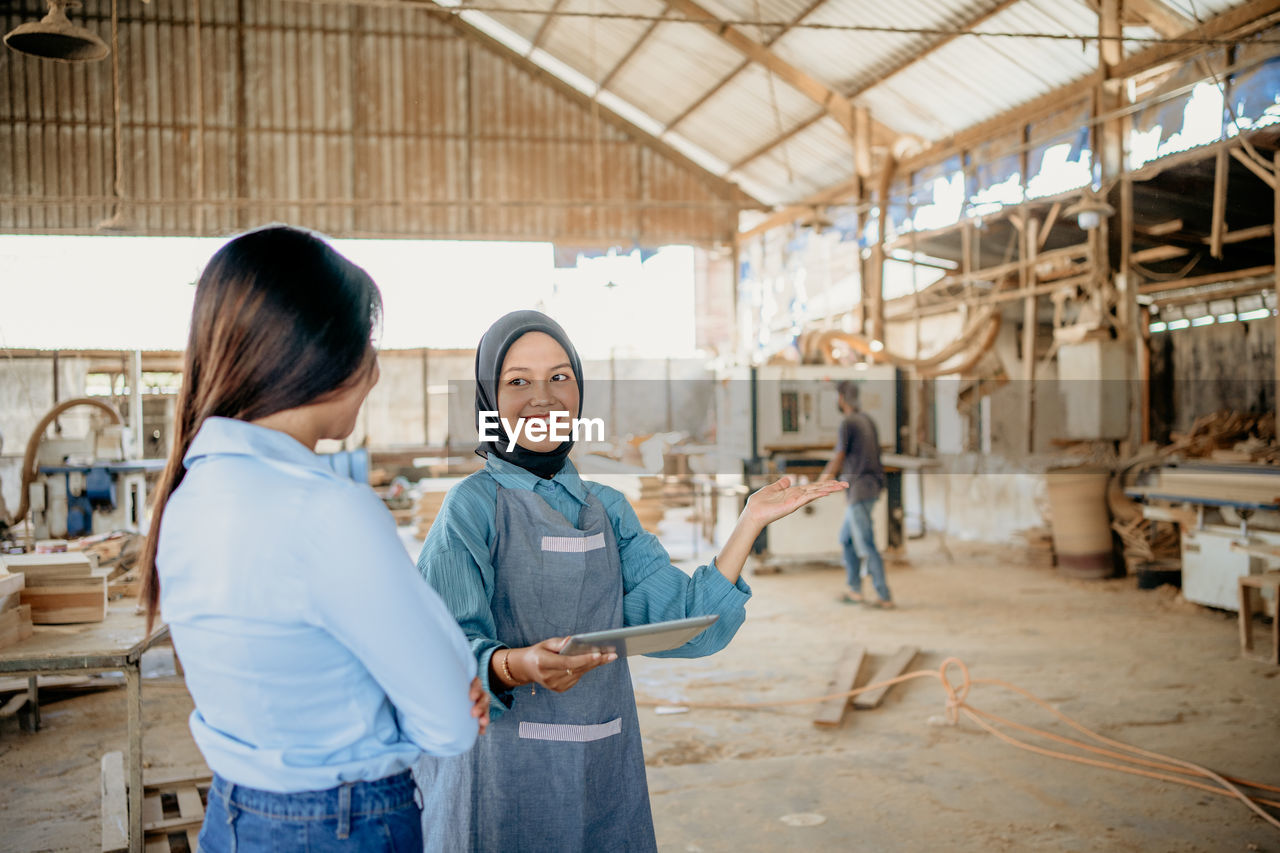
(570, 733)
(573, 544)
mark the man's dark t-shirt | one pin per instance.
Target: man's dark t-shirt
(862, 469)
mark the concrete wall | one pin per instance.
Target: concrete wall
(983, 498)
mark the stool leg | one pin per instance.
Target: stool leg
(1246, 620)
(1275, 632)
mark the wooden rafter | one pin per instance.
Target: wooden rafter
(1160, 16)
(547, 20)
(1252, 15)
(937, 44)
(721, 186)
(901, 66)
(769, 42)
(1236, 22)
(835, 104)
(778, 140)
(631, 51)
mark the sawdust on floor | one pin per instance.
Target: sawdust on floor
(1144, 667)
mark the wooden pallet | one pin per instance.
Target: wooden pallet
(172, 809)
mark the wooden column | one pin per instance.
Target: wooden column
(1133, 320)
(1275, 231)
(876, 301)
(1029, 322)
(1218, 225)
(1108, 137)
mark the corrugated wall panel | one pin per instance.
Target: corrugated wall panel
(357, 121)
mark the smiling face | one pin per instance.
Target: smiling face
(536, 380)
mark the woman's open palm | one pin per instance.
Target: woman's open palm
(779, 499)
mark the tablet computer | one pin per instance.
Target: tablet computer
(640, 639)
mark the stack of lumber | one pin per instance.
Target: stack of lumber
(425, 510)
(678, 491)
(1244, 486)
(15, 617)
(60, 588)
(649, 506)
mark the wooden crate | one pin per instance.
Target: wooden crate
(172, 808)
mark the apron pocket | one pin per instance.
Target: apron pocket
(569, 733)
(564, 573)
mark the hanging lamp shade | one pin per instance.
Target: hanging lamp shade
(55, 37)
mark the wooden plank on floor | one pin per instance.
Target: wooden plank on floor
(171, 777)
(152, 810)
(13, 706)
(159, 844)
(891, 668)
(189, 805)
(171, 824)
(831, 712)
(115, 807)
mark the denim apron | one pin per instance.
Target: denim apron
(557, 771)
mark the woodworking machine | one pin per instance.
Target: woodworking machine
(792, 429)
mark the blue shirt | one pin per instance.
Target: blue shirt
(314, 652)
(455, 560)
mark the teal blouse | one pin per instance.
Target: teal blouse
(455, 561)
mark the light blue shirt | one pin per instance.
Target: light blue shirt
(455, 560)
(314, 652)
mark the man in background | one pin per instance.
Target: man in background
(857, 461)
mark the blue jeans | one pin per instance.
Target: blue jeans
(857, 539)
(363, 816)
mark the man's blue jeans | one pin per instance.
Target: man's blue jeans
(857, 539)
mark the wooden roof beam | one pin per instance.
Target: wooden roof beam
(937, 45)
(722, 187)
(835, 104)
(1241, 20)
(706, 96)
(631, 51)
(1249, 16)
(901, 66)
(1160, 16)
(547, 21)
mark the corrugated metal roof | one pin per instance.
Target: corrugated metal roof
(673, 68)
(735, 118)
(931, 93)
(977, 79)
(732, 121)
(813, 159)
(847, 60)
(594, 46)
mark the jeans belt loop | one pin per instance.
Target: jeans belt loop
(228, 804)
(344, 810)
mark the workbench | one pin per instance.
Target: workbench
(114, 644)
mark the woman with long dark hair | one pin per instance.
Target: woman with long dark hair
(320, 664)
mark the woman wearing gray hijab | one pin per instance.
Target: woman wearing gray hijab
(525, 553)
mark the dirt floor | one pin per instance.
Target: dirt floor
(1144, 667)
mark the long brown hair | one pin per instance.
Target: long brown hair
(281, 319)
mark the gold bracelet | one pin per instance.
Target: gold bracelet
(506, 670)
